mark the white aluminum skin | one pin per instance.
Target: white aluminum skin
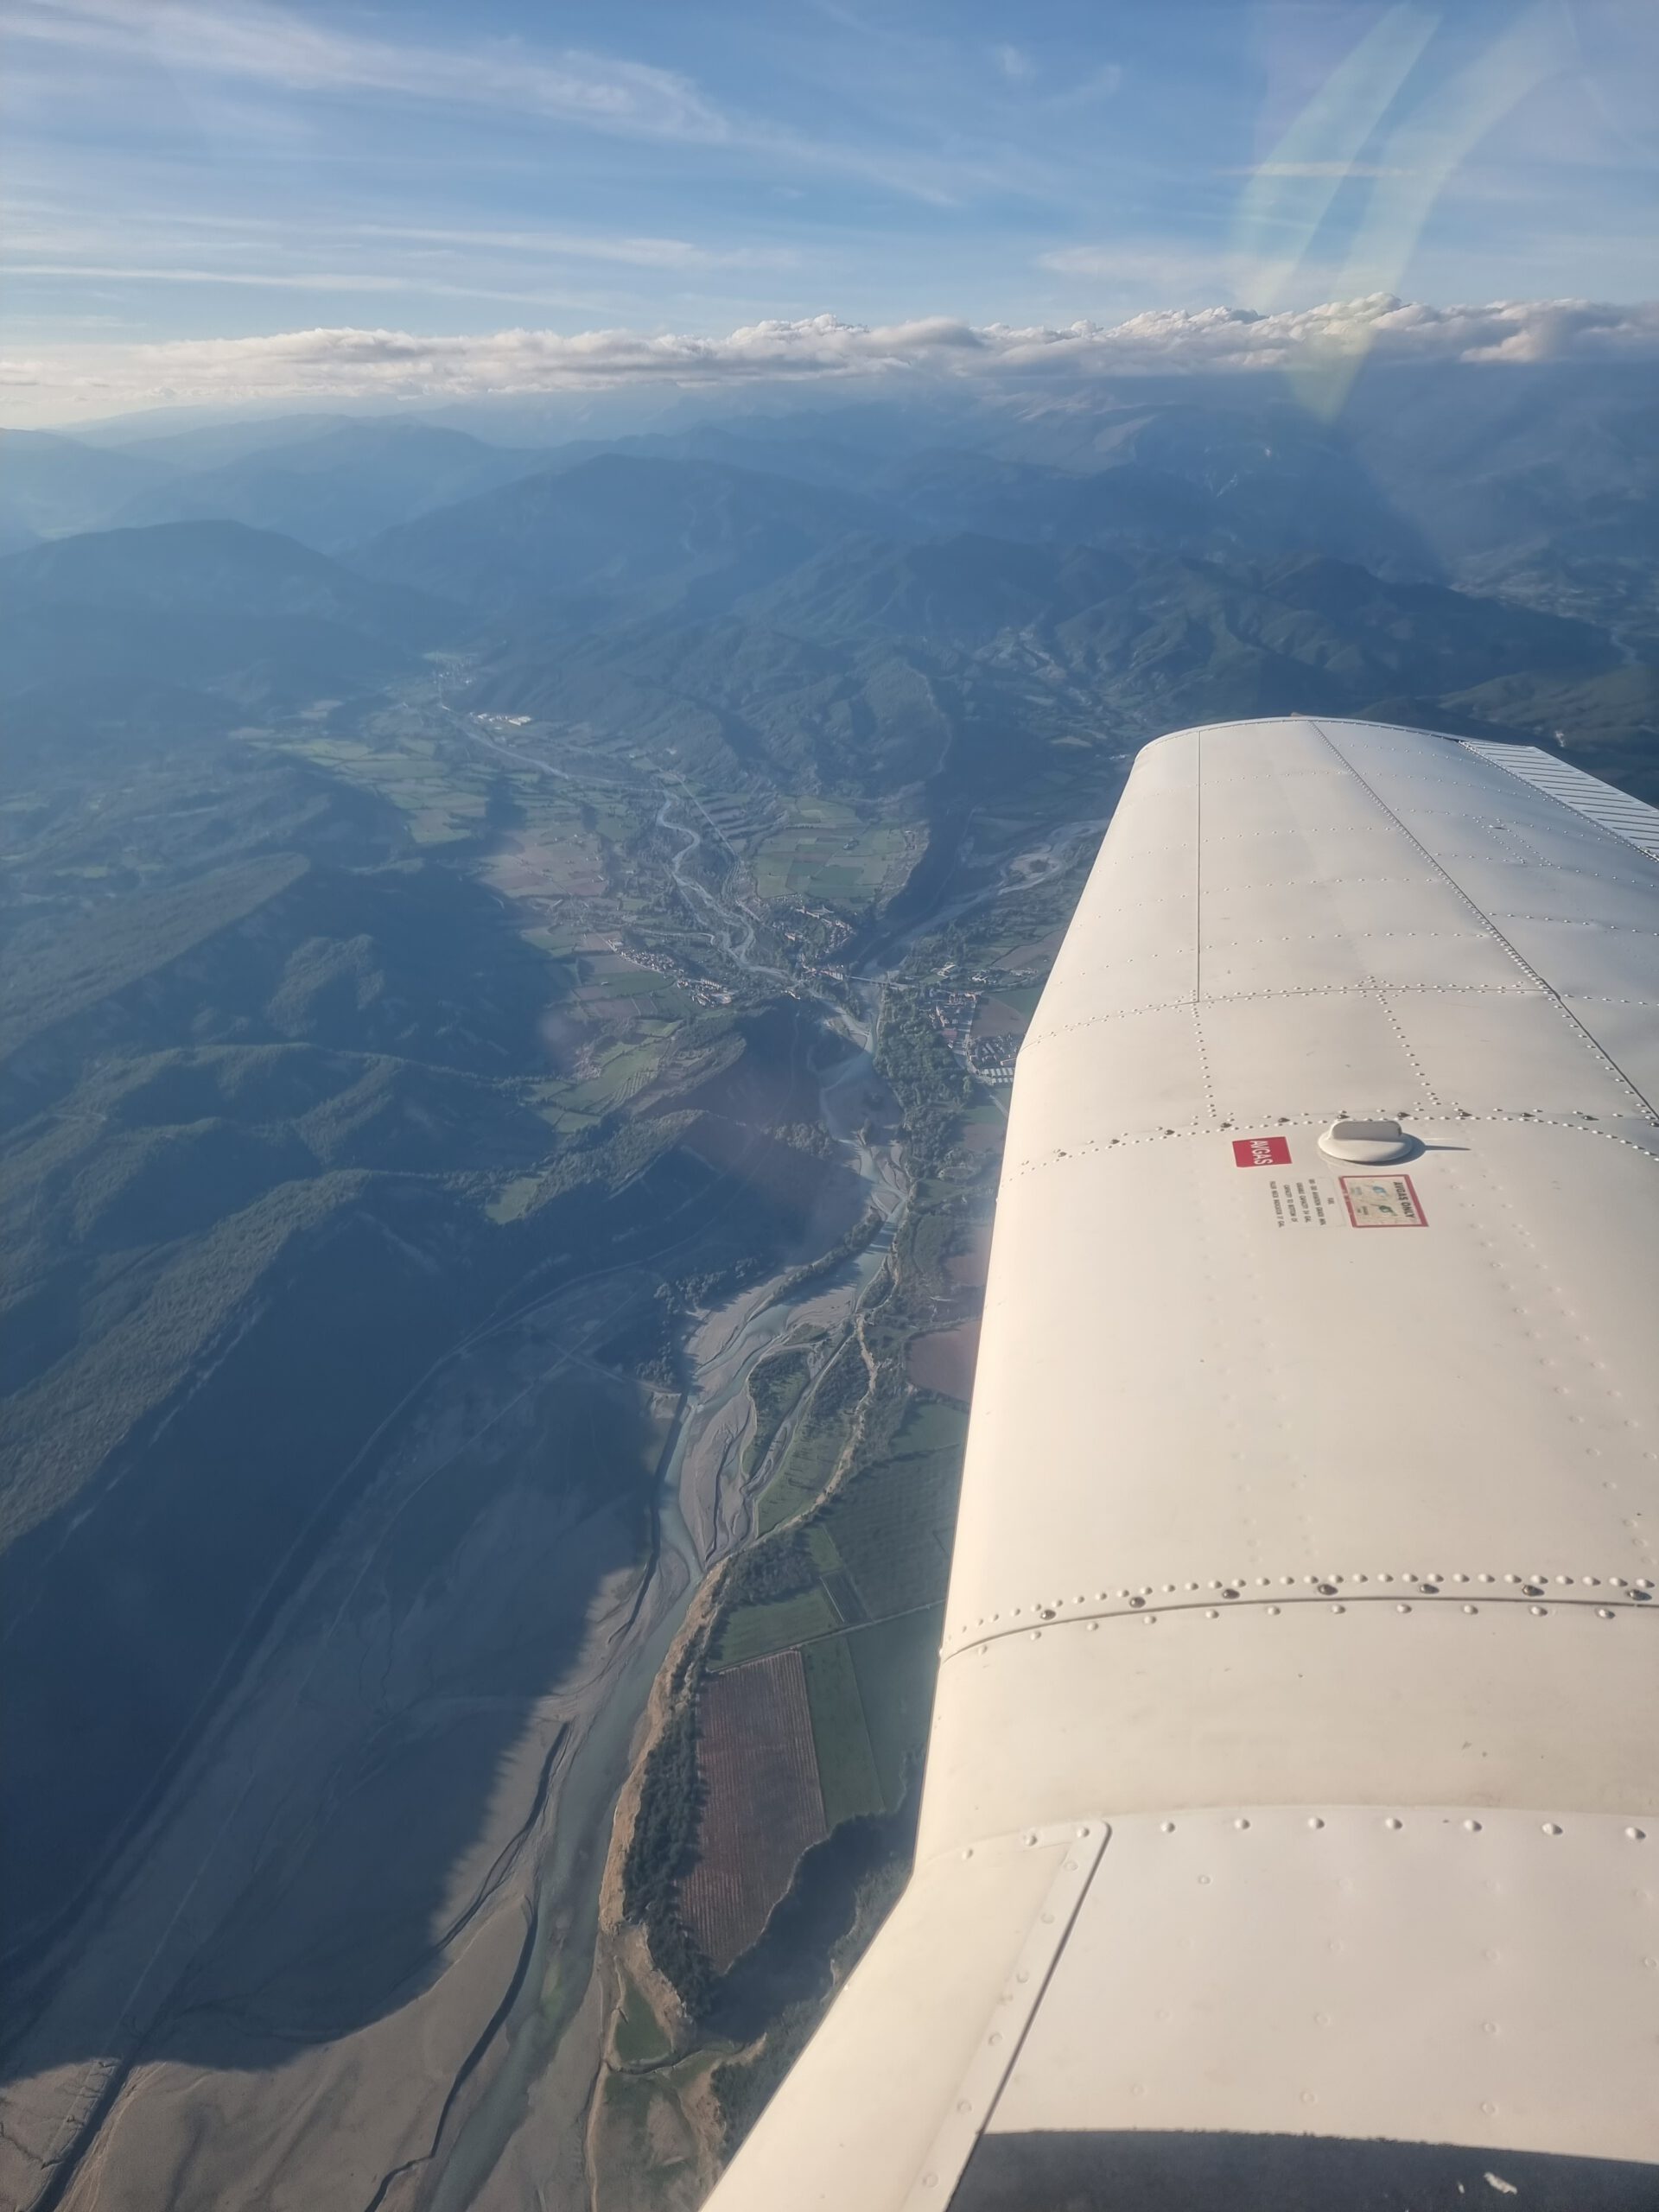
(1309, 1560)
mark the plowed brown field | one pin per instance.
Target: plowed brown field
(762, 1806)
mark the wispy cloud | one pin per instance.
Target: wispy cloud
(348, 281)
(391, 365)
(276, 47)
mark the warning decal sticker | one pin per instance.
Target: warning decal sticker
(1382, 1202)
(1260, 1152)
(1301, 1204)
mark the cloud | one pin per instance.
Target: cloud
(391, 365)
(1015, 65)
(271, 46)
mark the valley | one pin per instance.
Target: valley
(514, 963)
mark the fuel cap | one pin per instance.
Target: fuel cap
(1368, 1144)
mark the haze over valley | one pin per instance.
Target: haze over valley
(514, 957)
(575, 598)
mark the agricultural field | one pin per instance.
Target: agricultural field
(753, 1631)
(440, 804)
(761, 1807)
(830, 852)
(847, 1779)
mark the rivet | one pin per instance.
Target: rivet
(1392, 1823)
(1093, 1625)
(1471, 1609)
(1137, 1601)
(1339, 1609)
(995, 2037)
(1048, 1613)
(1552, 1827)
(1308, 2096)
(1048, 1919)
(967, 1852)
(1036, 1636)
(1490, 2026)
(1402, 1609)
(1604, 1613)
(1486, 1578)
(1086, 1831)
(1327, 1589)
(1273, 1608)
(1488, 2105)
(1230, 1593)
(1024, 1974)
(1152, 1620)
(1473, 1827)
(962, 2104)
(1539, 1610)
(1167, 1827)
(1315, 1822)
(1204, 1881)
(1031, 1838)
(1240, 1822)
(1636, 1835)
(1210, 1613)
(1459, 1578)
(929, 2181)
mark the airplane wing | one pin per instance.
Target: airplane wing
(1290, 1829)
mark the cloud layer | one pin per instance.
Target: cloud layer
(399, 364)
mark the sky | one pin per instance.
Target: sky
(230, 201)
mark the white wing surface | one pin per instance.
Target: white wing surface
(1288, 1835)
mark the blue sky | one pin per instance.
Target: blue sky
(203, 171)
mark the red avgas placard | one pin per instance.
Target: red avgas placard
(1260, 1152)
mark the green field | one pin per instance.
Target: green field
(828, 853)
(897, 1663)
(756, 1632)
(639, 2038)
(892, 1525)
(841, 1737)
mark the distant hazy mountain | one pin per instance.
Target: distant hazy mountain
(207, 605)
(169, 436)
(619, 536)
(50, 485)
(335, 489)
